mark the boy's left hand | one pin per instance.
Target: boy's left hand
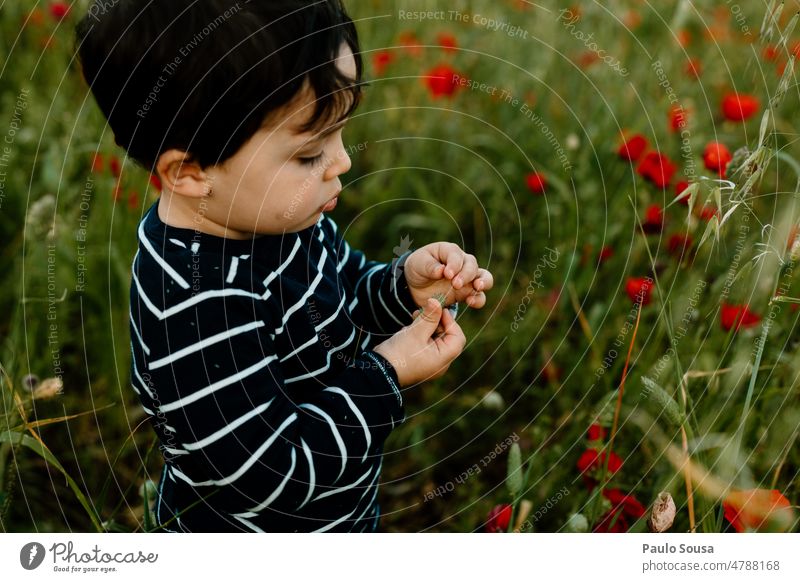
(442, 267)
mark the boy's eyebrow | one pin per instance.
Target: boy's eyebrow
(328, 131)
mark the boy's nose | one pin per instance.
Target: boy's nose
(340, 164)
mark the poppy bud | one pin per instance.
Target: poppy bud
(662, 513)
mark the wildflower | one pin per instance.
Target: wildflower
(678, 118)
(707, 212)
(639, 289)
(536, 182)
(577, 523)
(381, 60)
(48, 388)
(499, 518)
(29, 382)
(623, 507)
(155, 182)
(59, 10)
(662, 515)
(596, 432)
(97, 163)
(736, 316)
(716, 157)
(633, 148)
(679, 244)
(133, 200)
(605, 253)
(447, 41)
(739, 106)
(653, 219)
(591, 463)
(657, 168)
(441, 82)
(410, 43)
(694, 68)
(753, 509)
(115, 167)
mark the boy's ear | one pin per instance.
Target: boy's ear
(181, 176)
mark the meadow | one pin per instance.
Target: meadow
(628, 171)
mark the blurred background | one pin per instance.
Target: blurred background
(627, 170)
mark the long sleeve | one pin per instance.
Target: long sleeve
(383, 302)
(235, 427)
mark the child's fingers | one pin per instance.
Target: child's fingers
(484, 281)
(453, 338)
(476, 301)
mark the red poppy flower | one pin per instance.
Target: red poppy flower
(679, 188)
(678, 118)
(679, 244)
(716, 157)
(536, 182)
(684, 38)
(694, 68)
(587, 59)
(739, 106)
(133, 200)
(381, 60)
(499, 518)
(770, 53)
(707, 212)
(35, 17)
(754, 508)
(447, 41)
(97, 163)
(657, 168)
(639, 289)
(592, 459)
(155, 182)
(653, 219)
(605, 253)
(623, 508)
(442, 81)
(115, 167)
(633, 148)
(736, 316)
(59, 10)
(410, 43)
(596, 432)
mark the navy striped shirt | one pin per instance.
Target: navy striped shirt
(253, 360)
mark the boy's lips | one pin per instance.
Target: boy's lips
(330, 205)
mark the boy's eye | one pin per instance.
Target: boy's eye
(312, 161)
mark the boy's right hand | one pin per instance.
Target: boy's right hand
(415, 354)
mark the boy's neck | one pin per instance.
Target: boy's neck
(190, 217)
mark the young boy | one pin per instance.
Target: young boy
(269, 354)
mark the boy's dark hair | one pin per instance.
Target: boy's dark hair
(202, 76)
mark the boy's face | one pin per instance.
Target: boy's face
(279, 181)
